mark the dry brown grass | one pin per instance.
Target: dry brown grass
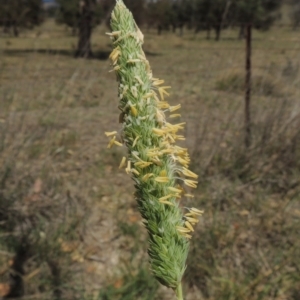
(76, 208)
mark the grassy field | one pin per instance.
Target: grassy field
(69, 226)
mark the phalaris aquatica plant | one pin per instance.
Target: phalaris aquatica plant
(157, 165)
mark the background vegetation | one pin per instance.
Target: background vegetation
(69, 227)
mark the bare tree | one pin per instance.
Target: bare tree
(86, 13)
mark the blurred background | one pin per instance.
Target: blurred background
(69, 225)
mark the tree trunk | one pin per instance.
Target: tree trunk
(181, 29)
(174, 28)
(16, 30)
(196, 31)
(6, 27)
(85, 29)
(218, 31)
(159, 29)
(208, 33)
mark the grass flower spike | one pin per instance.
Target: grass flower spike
(157, 165)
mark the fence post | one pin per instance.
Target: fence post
(248, 87)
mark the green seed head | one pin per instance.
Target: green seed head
(157, 165)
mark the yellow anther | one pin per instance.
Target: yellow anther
(154, 95)
(189, 195)
(111, 142)
(179, 137)
(160, 116)
(158, 131)
(115, 55)
(152, 154)
(114, 33)
(128, 169)
(116, 68)
(189, 173)
(193, 221)
(175, 190)
(134, 171)
(183, 161)
(157, 81)
(188, 225)
(118, 143)
(189, 214)
(147, 176)
(163, 173)
(133, 60)
(182, 229)
(191, 183)
(167, 151)
(154, 149)
(148, 95)
(143, 164)
(180, 149)
(156, 161)
(162, 91)
(175, 116)
(135, 140)
(162, 179)
(135, 154)
(133, 111)
(180, 125)
(166, 144)
(178, 196)
(110, 133)
(196, 211)
(166, 197)
(188, 236)
(166, 202)
(163, 104)
(171, 128)
(174, 108)
(123, 162)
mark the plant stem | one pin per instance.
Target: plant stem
(178, 291)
